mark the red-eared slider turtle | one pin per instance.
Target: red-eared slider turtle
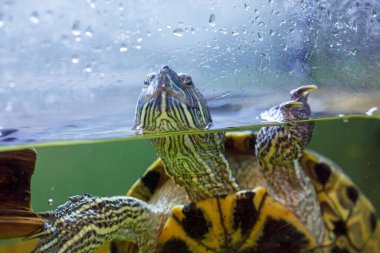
(289, 201)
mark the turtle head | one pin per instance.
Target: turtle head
(284, 143)
(170, 101)
(299, 109)
(300, 95)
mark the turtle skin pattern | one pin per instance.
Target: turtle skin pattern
(350, 219)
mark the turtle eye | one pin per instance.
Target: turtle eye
(148, 79)
(186, 80)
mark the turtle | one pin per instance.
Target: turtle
(214, 192)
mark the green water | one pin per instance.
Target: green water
(110, 168)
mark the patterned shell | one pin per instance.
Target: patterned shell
(248, 221)
(252, 221)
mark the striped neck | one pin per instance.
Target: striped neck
(278, 149)
(197, 163)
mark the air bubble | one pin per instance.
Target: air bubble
(260, 36)
(89, 32)
(92, 3)
(139, 40)
(271, 32)
(211, 20)
(12, 84)
(178, 32)
(35, 17)
(75, 59)
(88, 69)
(1, 20)
(50, 202)
(49, 14)
(352, 51)
(224, 31)
(345, 120)
(75, 30)
(123, 48)
(8, 107)
(121, 7)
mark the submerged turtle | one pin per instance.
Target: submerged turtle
(290, 200)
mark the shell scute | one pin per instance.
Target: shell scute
(348, 214)
(248, 221)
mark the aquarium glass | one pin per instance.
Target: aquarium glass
(72, 70)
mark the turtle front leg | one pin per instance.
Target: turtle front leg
(86, 222)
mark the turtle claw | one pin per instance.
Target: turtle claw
(36, 234)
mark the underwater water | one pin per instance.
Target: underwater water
(110, 168)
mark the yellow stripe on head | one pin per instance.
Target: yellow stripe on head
(170, 98)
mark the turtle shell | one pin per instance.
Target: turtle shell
(350, 218)
(212, 225)
(248, 221)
